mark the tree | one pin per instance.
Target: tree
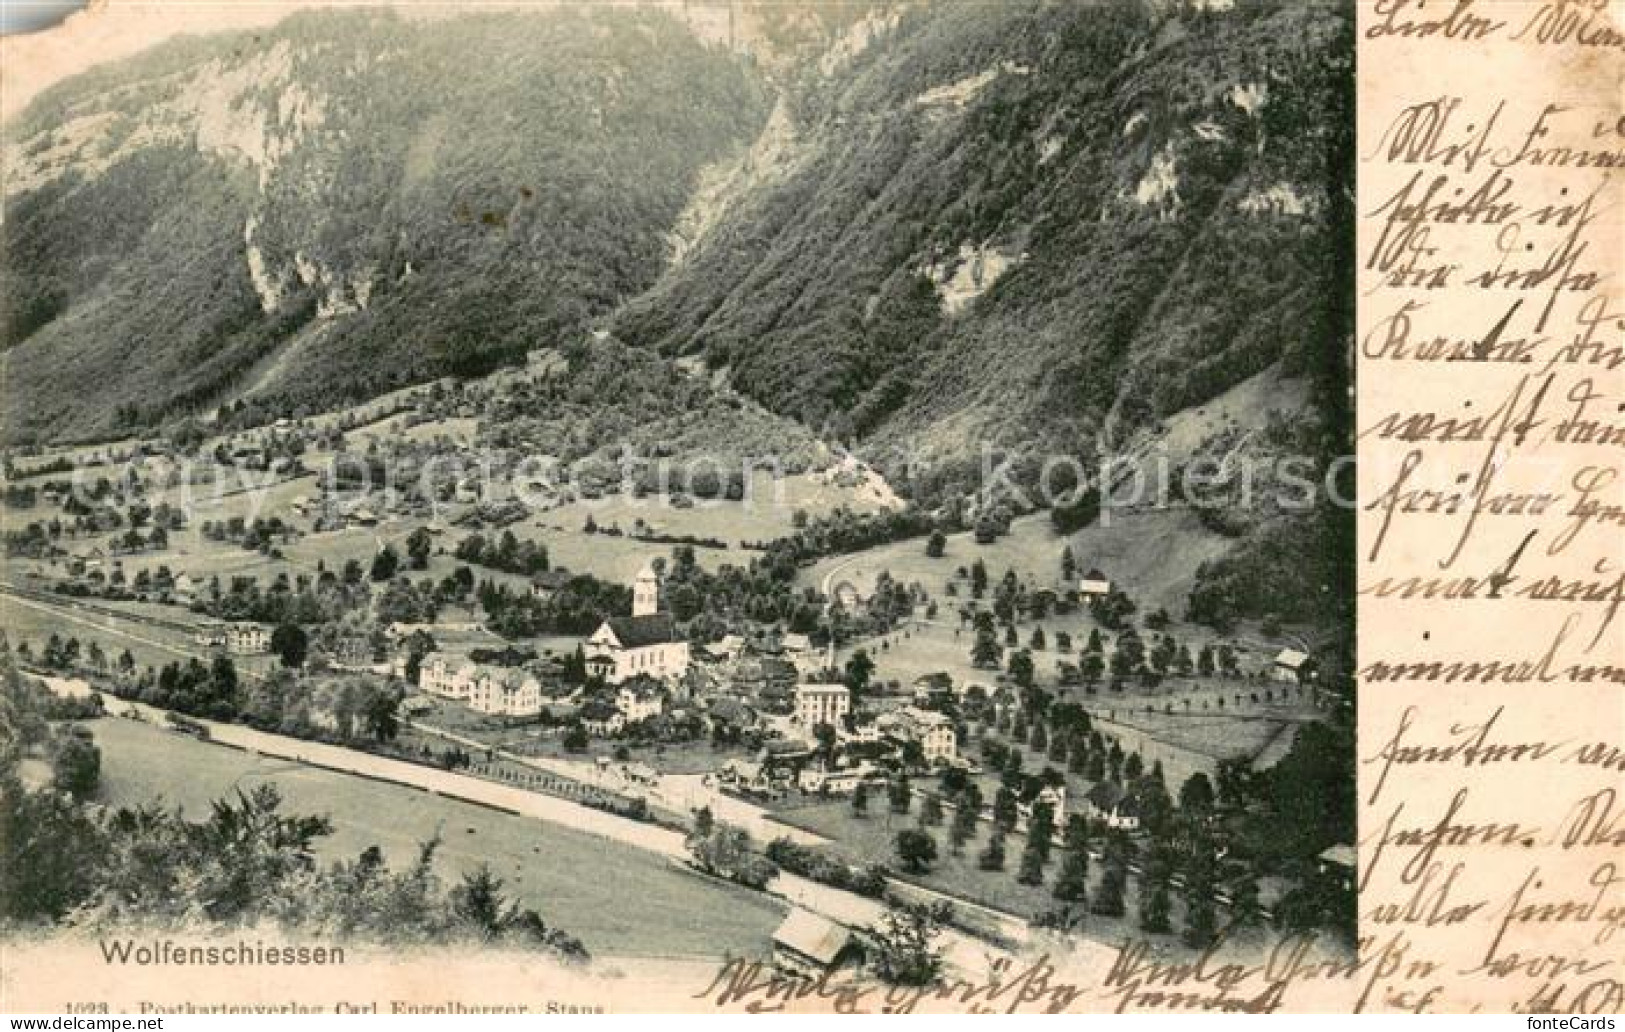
(704, 821)
(575, 739)
(985, 650)
(1245, 908)
(1109, 900)
(860, 800)
(930, 811)
(1072, 884)
(78, 767)
(936, 544)
(1021, 668)
(477, 902)
(384, 564)
(963, 827)
(418, 546)
(291, 644)
(1196, 794)
(378, 714)
(1037, 643)
(1069, 565)
(916, 849)
(727, 852)
(1031, 871)
(1005, 812)
(859, 669)
(825, 735)
(992, 858)
(1155, 908)
(1201, 922)
(905, 943)
(900, 795)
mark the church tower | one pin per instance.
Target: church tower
(646, 593)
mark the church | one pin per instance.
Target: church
(644, 643)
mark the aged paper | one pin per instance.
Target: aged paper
(1490, 405)
(712, 505)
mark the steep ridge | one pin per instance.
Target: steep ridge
(353, 179)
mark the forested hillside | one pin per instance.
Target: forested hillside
(1031, 225)
(344, 204)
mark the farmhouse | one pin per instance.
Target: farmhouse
(1094, 586)
(822, 704)
(502, 692)
(644, 643)
(248, 639)
(210, 636)
(1109, 803)
(601, 719)
(809, 945)
(352, 652)
(544, 584)
(446, 676)
(933, 732)
(729, 648)
(1337, 863)
(639, 699)
(1291, 665)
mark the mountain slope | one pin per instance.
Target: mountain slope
(401, 199)
(1042, 227)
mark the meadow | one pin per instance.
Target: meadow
(618, 900)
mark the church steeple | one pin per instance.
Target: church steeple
(646, 593)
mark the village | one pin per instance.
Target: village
(899, 710)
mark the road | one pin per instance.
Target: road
(970, 957)
(680, 793)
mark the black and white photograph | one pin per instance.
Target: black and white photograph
(787, 494)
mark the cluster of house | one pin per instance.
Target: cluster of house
(772, 686)
(493, 690)
(240, 638)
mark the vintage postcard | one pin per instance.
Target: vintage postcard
(829, 506)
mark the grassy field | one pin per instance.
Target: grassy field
(618, 900)
(34, 622)
(871, 839)
(1152, 554)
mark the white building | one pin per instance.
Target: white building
(1290, 665)
(640, 701)
(446, 676)
(500, 692)
(1094, 587)
(644, 643)
(248, 639)
(822, 704)
(932, 730)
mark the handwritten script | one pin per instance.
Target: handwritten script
(1491, 429)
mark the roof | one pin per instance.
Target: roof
(785, 747)
(1095, 586)
(1105, 795)
(1291, 658)
(730, 710)
(636, 632)
(1340, 854)
(552, 579)
(812, 935)
(822, 689)
(797, 642)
